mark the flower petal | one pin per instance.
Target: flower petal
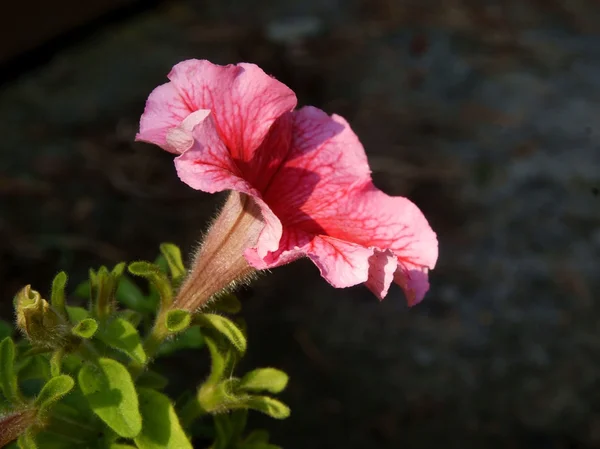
(165, 109)
(243, 99)
(208, 166)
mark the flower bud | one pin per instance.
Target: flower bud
(15, 423)
(42, 325)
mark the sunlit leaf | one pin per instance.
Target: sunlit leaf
(121, 335)
(111, 394)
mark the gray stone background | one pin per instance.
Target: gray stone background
(485, 113)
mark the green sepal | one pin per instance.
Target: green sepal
(218, 362)
(85, 328)
(161, 428)
(191, 338)
(264, 379)
(122, 336)
(225, 327)
(267, 405)
(8, 376)
(110, 393)
(52, 391)
(238, 419)
(228, 303)
(103, 287)
(178, 320)
(172, 254)
(156, 277)
(57, 295)
(135, 318)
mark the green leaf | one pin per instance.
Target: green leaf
(6, 329)
(131, 296)
(76, 314)
(268, 406)
(135, 318)
(218, 364)
(152, 379)
(83, 290)
(158, 279)
(8, 377)
(85, 328)
(56, 362)
(227, 303)
(257, 436)
(161, 429)
(27, 440)
(225, 327)
(178, 320)
(121, 446)
(34, 367)
(111, 394)
(54, 389)
(172, 254)
(121, 335)
(264, 379)
(191, 338)
(238, 419)
(222, 431)
(57, 296)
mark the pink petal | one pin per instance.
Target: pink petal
(165, 109)
(208, 166)
(324, 193)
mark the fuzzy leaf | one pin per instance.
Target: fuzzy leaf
(131, 296)
(227, 303)
(111, 394)
(121, 335)
(264, 379)
(27, 440)
(257, 436)
(158, 279)
(57, 296)
(152, 379)
(172, 254)
(8, 377)
(85, 328)
(268, 406)
(178, 320)
(34, 367)
(56, 362)
(191, 338)
(225, 327)
(219, 362)
(161, 429)
(76, 314)
(53, 390)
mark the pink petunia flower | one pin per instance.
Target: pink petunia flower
(300, 182)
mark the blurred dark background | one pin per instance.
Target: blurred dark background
(485, 113)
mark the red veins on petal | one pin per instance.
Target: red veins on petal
(306, 170)
(243, 100)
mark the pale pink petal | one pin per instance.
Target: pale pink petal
(180, 138)
(165, 109)
(208, 166)
(243, 99)
(382, 266)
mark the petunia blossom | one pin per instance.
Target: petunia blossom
(300, 181)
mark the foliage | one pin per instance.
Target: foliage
(90, 377)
